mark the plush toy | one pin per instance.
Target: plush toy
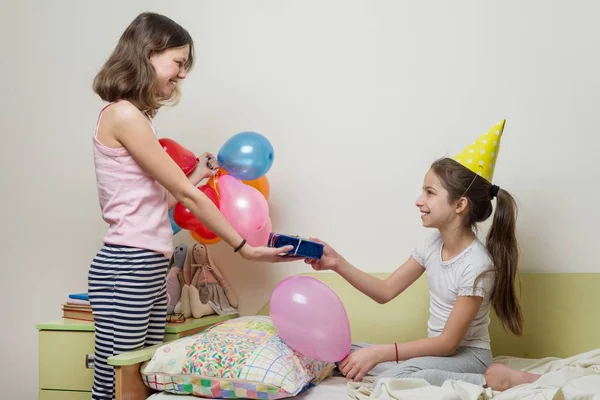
(209, 280)
(204, 289)
(173, 282)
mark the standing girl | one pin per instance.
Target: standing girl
(466, 278)
(137, 184)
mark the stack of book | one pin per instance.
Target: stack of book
(78, 306)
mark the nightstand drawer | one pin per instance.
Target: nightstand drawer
(62, 356)
(65, 343)
(62, 395)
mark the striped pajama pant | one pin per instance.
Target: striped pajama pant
(127, 292)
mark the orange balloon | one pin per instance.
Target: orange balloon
(261, 184)
(202, 240)
(213, 180)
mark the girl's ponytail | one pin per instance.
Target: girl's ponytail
(502, 245)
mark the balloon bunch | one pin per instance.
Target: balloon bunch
(240, 189)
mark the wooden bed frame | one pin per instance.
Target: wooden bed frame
(561, 314)
(128, 380)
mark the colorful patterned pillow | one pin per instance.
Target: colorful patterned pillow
(238, 358)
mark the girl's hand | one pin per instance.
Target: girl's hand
(267, 254)
(358, 363)
(330, 260)
(207, 165)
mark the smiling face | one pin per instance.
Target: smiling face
(169, 67)
(436, 211)
(151, 57)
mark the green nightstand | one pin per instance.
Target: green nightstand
(66, 347)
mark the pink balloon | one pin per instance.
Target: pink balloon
(261, 236)
(310, 318)
(245, 208)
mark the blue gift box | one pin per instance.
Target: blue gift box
(302, 246)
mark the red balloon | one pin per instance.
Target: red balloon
(210, 193)
(183, 157)
(205, 233)
(201, 229)
(187, 220)
(184, 217)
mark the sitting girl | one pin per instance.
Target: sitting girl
(466, 278)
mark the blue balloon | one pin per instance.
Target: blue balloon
(176, 228)
(246, 156)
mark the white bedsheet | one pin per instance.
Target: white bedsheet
(573, 378)
(333, 388)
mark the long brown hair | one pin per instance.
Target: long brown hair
(128, 74)
(501, 241)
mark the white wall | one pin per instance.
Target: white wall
(357, 97)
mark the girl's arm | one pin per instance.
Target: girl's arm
(382, 291)
(464, 311)
(131, 129)
(201, 172)
(360, 362)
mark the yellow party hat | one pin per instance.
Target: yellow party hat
(480, 156)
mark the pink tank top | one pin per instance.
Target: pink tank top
(133, 203)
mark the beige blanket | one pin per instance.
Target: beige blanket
(577, 377)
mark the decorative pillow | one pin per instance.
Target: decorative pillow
(238, 358)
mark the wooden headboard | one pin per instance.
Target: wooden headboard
(561, 311)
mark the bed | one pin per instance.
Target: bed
(554, 335)
(571, 378)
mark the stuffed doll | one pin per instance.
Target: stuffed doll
(173, 282)
(205, 290)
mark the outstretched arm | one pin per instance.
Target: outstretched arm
(130, 128)
(380, 290)
(360, 362)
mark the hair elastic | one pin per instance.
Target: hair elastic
(494, 191)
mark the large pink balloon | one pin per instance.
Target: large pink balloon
(261, 236)
(311, 318)
(245, 208)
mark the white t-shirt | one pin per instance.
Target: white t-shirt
(456, 277)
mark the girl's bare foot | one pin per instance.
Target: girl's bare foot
(500, 377)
